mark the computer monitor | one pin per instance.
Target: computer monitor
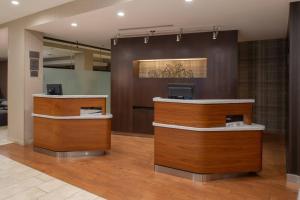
(54, 89)
(180, 91)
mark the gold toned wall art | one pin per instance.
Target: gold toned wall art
(173, 68)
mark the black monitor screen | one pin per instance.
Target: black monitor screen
(54, 89)
(180, 91)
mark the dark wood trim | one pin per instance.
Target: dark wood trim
(143, 107)
(75, 43)
(72, 67)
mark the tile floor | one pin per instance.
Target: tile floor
(20, 182)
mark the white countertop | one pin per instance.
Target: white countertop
(253, 127)
(70, 96)
(203, 101)
(86, 116)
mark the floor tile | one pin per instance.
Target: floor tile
(51, 185)
(20, 182)
(31, 194)
(19, 187)
(82, 195)
(62, 192)
(44, 177)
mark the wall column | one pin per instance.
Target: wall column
(20, 85)
(293, 136)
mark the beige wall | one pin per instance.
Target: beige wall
(20, 85)
(16, 80)
(33, 85)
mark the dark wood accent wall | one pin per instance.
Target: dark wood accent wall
(293, 137)
(3, 79)
(263, 76)
(132, 105)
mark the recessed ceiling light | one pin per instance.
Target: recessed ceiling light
(121, 14)
(15, 3)
(188, 0)
(74, 24)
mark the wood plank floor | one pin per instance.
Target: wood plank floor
(127, 173)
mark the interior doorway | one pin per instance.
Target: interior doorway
(3, 86)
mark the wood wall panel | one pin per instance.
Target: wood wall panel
(129, 91)
(142, 120)
(3, 79)
(65, 106)
(208, 152)
(293, 136)
(200, 116)
(72, 135)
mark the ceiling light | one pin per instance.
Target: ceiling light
(15, 3)
(121, 14)
(188, 1)
(74, 24)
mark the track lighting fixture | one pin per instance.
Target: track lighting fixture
(179, 36)
(215, 32)
(115, 40)
(146, 39)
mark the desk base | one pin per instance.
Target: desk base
(198, 177)
(70, 153)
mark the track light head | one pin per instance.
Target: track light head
(215, 35)
(115, 40)
(179, 36)
(216, 30)
(146, 39)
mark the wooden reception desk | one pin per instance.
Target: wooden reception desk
(192, 138)
(61, 127)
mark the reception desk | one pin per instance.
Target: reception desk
(71, 124)
(194, 139)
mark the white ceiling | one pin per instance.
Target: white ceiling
(9, 12)
(255, 19)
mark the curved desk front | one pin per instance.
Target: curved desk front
(192, 136)
(60, 127)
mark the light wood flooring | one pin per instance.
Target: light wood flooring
(127, 173)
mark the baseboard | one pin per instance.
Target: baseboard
(292, 178)
(198, 177)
